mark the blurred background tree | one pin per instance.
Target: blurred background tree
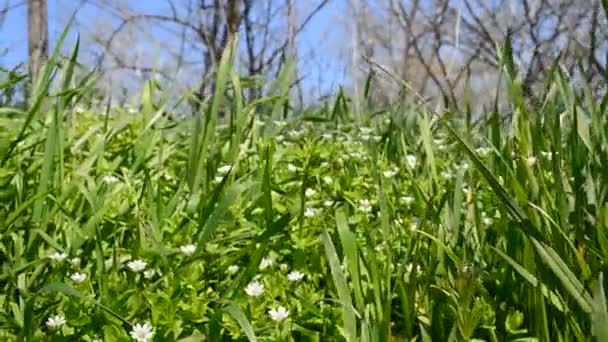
(446, 50)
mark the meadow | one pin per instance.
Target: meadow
(245, 221)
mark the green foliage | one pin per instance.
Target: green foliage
(242, 223)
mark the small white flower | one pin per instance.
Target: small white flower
(280, 123)
(278, 314)
(109, 179)
(327, 136)
(310, 212)
(309, 192)
(547, 155)
(232, 269)
(75, 261)
(224, 169)
(292, 168)
(483, 151)
(280, 138)
(328, 180)
(324, 164)
(295, 276)
(377, 138)
(487, 220)
(148, 274)
(447, 175)
(78, 277)
(410, 267)
(328, 203)
(391, 173)
(365, 206)
(58, 257)
(407, 200)
(142, 332)
(531, 160)
(283, 267)
(97, 340)
(411, 160)
(295, 134)
(79, 109)
(218, 179)
(137, 265)
(464, 166)
(254, 289)
(188, 249)
(55, 322)
(266, 262)
(364, 137)
(365, 130)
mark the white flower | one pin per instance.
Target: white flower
(487, 220)
(309, 192)
(109, 179)
(310, 212)
(328, 180)
(218, 179)
(411, 160)
(137, 265)
(447, 175)
(254, 289)
(328, 203)
(365, 206)
(377, 138)
(58, 257)
(97, 340)
(483, 151)
(284, 267)
(531, 160)
(188, 250)
(266, 262)
(148, 274)
(142, 332)
(280, 138)
(548, 155)
(232, 269)
(327, 136)
(55, 322)
(365, 130)
(407, 200)
(410, 267)
(75, 261)
(279, 313)
(78, 277)
(391, 173)
(295, 276)
(295, 134)
(364, 137)
(324, 164)
(464, 166)
(292, 168)
(280, 123)
(224, 169)
(79, 109)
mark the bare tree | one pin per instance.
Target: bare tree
(38, 37)
(191, 36)
(437, 45)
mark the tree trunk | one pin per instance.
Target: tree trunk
(38, 37)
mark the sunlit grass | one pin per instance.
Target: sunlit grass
(119, 223)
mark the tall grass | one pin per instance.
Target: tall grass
(421, 226)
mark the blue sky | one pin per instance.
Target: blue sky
(324, 37)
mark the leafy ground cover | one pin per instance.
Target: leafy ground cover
(243, 223)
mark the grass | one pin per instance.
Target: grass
(417, 226)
